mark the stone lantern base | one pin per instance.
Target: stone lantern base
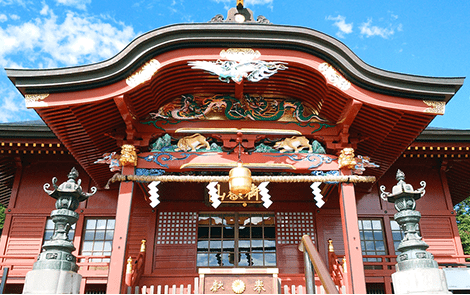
(420, 281)
(51, 281)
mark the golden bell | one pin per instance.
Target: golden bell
(239, 180)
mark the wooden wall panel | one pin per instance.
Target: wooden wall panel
(24, 239)
(329, 227)
(31, 194)
(175, 259)
(438, 234)
(289, 259)
(138, 230)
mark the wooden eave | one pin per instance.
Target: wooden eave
(92, 110)
(450, 149)
(23, 139)
(208, 35)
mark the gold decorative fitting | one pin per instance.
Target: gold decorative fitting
(240, 54)
(238, 286)
(436, 107)
(129, 265)
(144, 74)
(332, 75)
(240, 180)
(142, 245)
(259, 286)
(346, 159)
(30, 98)
(330, 246)
(128, 155)
(216, 285)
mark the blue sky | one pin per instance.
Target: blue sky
(429, 38)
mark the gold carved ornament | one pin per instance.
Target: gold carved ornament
(238, 286)
(216, 285)
(334, 77)
(128, 155)
(259, 286)
(35, 97)
(35, 100)
(346, 159)
(144, 74)
(436, 107)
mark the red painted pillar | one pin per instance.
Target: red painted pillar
(351, 237)
(123, 212)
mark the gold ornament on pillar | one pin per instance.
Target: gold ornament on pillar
(128, 155)
(346, 159)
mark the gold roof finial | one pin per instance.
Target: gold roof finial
(330, 246)
(240, 4)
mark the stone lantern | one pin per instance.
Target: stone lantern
(416, 269)
(55, 271)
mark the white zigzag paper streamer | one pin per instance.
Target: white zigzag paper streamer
(153, 191)
(317, 193)
(214, 194)
(264, 192)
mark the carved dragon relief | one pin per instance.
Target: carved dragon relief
(219, 107)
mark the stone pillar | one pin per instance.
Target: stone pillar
(55, 271)
(416, 270)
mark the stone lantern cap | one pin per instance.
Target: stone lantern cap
(402, 190)
(70, 189)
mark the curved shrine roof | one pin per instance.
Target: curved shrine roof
(94, 109)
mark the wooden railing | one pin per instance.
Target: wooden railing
(135, 270)
(312, 258)
(337, 269)
(165, 289)
(19, 265)
(463, 261)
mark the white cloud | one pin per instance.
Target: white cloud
(370, 31)
(45, 9)
(79, 4)
(10, 2)
(340, 22)
(14, 17)
(3, 18)
(12, 106)
(258, 2)
(77, 40)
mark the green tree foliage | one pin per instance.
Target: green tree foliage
(2, 216)
(462, 210)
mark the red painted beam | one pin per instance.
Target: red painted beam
(351, 237)
(123, 212)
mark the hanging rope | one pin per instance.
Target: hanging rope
(258, 179)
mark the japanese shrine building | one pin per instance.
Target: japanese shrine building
(188, 102)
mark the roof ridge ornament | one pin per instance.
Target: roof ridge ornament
(239, 14)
